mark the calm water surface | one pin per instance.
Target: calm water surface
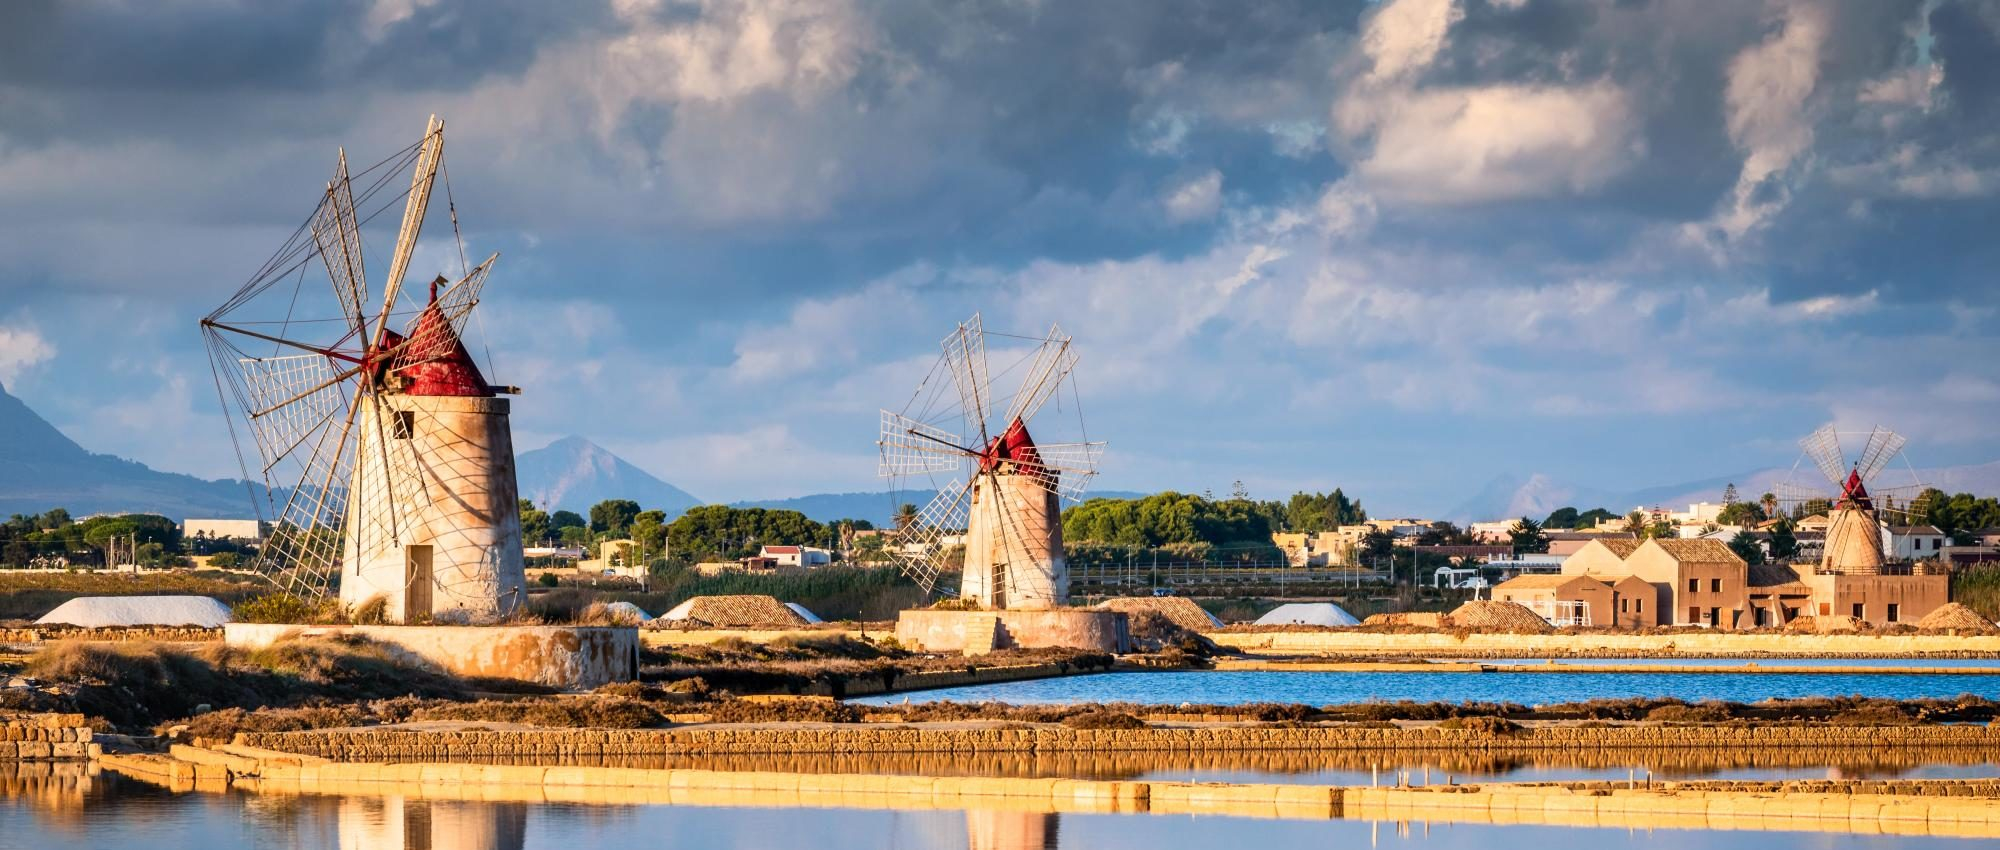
(1941, 663)
(1239, 687)
(111, 813)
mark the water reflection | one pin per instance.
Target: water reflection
(81, 809)
(398, 823)
(995, 830)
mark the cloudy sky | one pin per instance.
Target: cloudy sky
(1401, 247)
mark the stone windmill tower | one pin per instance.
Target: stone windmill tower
(1853, 535)
(996, 521)
(388, 458)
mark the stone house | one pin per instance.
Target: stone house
(1584, 600)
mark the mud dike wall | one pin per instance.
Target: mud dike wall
(413, 746)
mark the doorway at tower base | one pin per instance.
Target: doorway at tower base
(935, 630)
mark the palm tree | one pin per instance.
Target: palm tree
(1770, 502)
(906, 516)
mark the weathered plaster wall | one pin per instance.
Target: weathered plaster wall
(1079, 628)
(454, 491)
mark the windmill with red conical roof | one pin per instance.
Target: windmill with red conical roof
(388, 458)
(995, 523)
(1860, 498)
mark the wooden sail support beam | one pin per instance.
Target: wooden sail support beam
(428, 158)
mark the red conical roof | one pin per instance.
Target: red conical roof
(1853, 494)
(1013, 445)
(438, 364)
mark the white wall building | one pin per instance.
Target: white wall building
(233, 530)
(797, 556)
(1912, 542)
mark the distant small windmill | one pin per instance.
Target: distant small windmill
(996, 521)
(1858, 498)
(390, 452)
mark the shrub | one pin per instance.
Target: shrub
(129, 684)
(1481, 725)
(372, 611)
(1873, 714)
(601, 614)
(562, 712)
(1706, 712)
(785, 711)
(352, 667)
(223, 725)
(1103, 720)
(273, 608)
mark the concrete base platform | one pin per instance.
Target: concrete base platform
(569, 657)
(1077, 628)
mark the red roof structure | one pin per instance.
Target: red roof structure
(435, 362)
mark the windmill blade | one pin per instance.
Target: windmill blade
(384, 470)
(965, 356)
(1064, 469)
(423, 343)
(337, 232)
(910, 447)
(428, 157)
(924, 549)
(1053, 361)
(1883, 444)
(1792, 495)
(1823, 446)
(457, 302)
(305, 551)
(288, 400)
(1909, 504)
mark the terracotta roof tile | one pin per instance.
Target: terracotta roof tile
(1699, 550)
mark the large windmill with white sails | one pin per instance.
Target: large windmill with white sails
(387, 454)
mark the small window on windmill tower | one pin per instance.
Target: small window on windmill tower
(406, 424)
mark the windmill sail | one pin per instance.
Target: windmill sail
(1882, 445)
(1823, 448)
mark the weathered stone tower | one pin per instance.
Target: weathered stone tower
(1853, 536)
(1013, 538)
(434, 524)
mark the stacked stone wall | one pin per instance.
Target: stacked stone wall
(138, 633)
(44, 737)
(409, 745)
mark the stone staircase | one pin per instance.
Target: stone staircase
(983, 634)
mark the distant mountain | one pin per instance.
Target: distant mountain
(878, 507)
(1537, 495)
(573, 473)
(40, 468)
